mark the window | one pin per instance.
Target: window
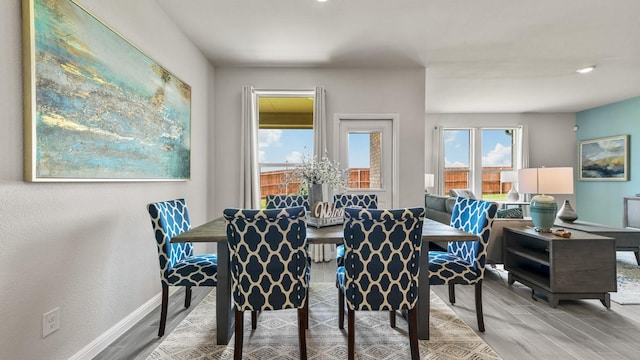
(285, 133)
(365, 160)
(497, 157)
(475, 158)
(457, 159)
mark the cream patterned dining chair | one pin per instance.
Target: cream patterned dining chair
(381, 267)
(268, 265)
(464, 261)
(178, 265)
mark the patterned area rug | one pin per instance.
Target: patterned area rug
(628, 279)
(276, 335)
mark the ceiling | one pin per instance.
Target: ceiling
(480, 56)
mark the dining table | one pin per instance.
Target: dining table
(216, 231)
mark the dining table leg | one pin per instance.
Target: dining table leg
(224, 309)
(424, 293)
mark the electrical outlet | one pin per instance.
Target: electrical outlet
(50, 322)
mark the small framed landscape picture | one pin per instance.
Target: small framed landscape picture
(604, 159)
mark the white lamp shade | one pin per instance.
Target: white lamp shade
(556, 180)
(528, 181)
(429, 180)
(552, 180)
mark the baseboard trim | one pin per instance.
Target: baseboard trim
(104, 340)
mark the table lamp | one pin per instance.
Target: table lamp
(510, 177)
(429, 181)
(544, 181)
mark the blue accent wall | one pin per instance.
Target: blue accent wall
(602, 201)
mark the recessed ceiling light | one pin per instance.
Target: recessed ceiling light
(586, 70)
(322, 0)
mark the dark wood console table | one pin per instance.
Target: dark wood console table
(580, 267)
(627, 239)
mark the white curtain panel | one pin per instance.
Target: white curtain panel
(249, 176)
(438, 159)
(320, 252)
(319, 123)
(522, 151)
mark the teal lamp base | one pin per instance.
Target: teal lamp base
(543, 210)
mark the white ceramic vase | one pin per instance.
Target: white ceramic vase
(513, 195)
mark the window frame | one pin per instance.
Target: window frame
(285, 94)
(476, 170)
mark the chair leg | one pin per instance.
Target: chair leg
(452, 294)
(187, 296)
(254, 319)
(163, 310)
(302, 338)
(306, 316)
(237, 350)
(306, 311)
(413, 333)
(351, 336)
(479, 306)
(340, 309)
(392, 319)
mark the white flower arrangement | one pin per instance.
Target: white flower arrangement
(324, 171)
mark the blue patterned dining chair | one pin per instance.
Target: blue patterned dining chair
(381, 267)
(268, 265)
(281, 202)
(464, 261)
(178, 265)
(284, 201)
(367, 201)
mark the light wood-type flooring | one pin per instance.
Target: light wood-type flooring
(517, 326)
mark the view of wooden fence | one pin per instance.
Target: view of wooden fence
(490, 181)
(283, 182)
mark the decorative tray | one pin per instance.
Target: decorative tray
(322, 222)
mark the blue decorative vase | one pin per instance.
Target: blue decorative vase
(543, 210)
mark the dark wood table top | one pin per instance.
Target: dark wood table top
(593, 227)
(575, 234)
(215, 231)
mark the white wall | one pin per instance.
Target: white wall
(348, 90)
(87, 248)
(552, 139)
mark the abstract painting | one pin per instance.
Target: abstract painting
(604, 159)
(96, 107)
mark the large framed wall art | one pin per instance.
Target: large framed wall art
(604, 159)
(96, 107)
